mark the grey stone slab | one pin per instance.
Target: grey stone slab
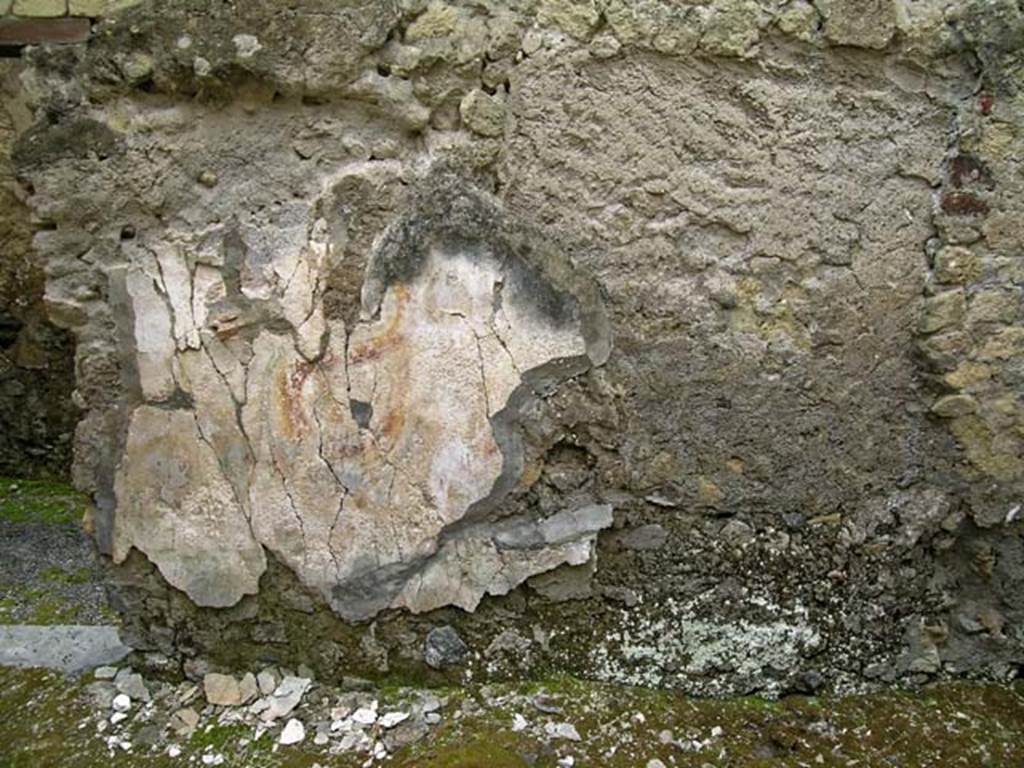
(65, 647)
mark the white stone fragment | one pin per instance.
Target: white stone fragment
(292, 733)
(121, 703)
(364, 716)
(285, 698)
(429, 703)
(565, 731)
(391, 719)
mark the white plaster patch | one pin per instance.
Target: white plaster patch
(271, 453)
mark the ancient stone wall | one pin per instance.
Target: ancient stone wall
(37, 417)
(670, 343)
(37, 412)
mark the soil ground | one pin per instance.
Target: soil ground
(47, 722)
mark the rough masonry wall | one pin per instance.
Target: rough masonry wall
(37, 417)
(667, 343)
(37, 413)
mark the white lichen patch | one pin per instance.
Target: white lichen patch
(680, 641)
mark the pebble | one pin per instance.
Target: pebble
(184, 721)
(349, 741)
(566, 762)
(406, 733)
(430, 703)
(248, 687)
(267, 680)
(121, 703)
(518, 723)
(213, 758)
(546, 704)
(391, 719)
(365, 716)
(655, 763)
(174, 751)
(131, 685)
(562, 731)
(285, 698)
(340, 713)
(101, 694)
(293, 733)
(117, 717)
(187, 692)
(104, 673)
(222, 690)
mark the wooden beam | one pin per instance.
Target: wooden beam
(38, 31)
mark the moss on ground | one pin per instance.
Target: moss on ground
(41, 501)
(35, 605)
(23, 604)
(57, 582)
(62, 576)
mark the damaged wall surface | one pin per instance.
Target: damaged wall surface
(37, 416)
(670, 343)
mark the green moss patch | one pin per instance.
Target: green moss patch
(41, 501)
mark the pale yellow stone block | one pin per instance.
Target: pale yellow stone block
(96, 8)
(40, 8)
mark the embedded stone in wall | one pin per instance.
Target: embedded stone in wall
(40, 7)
